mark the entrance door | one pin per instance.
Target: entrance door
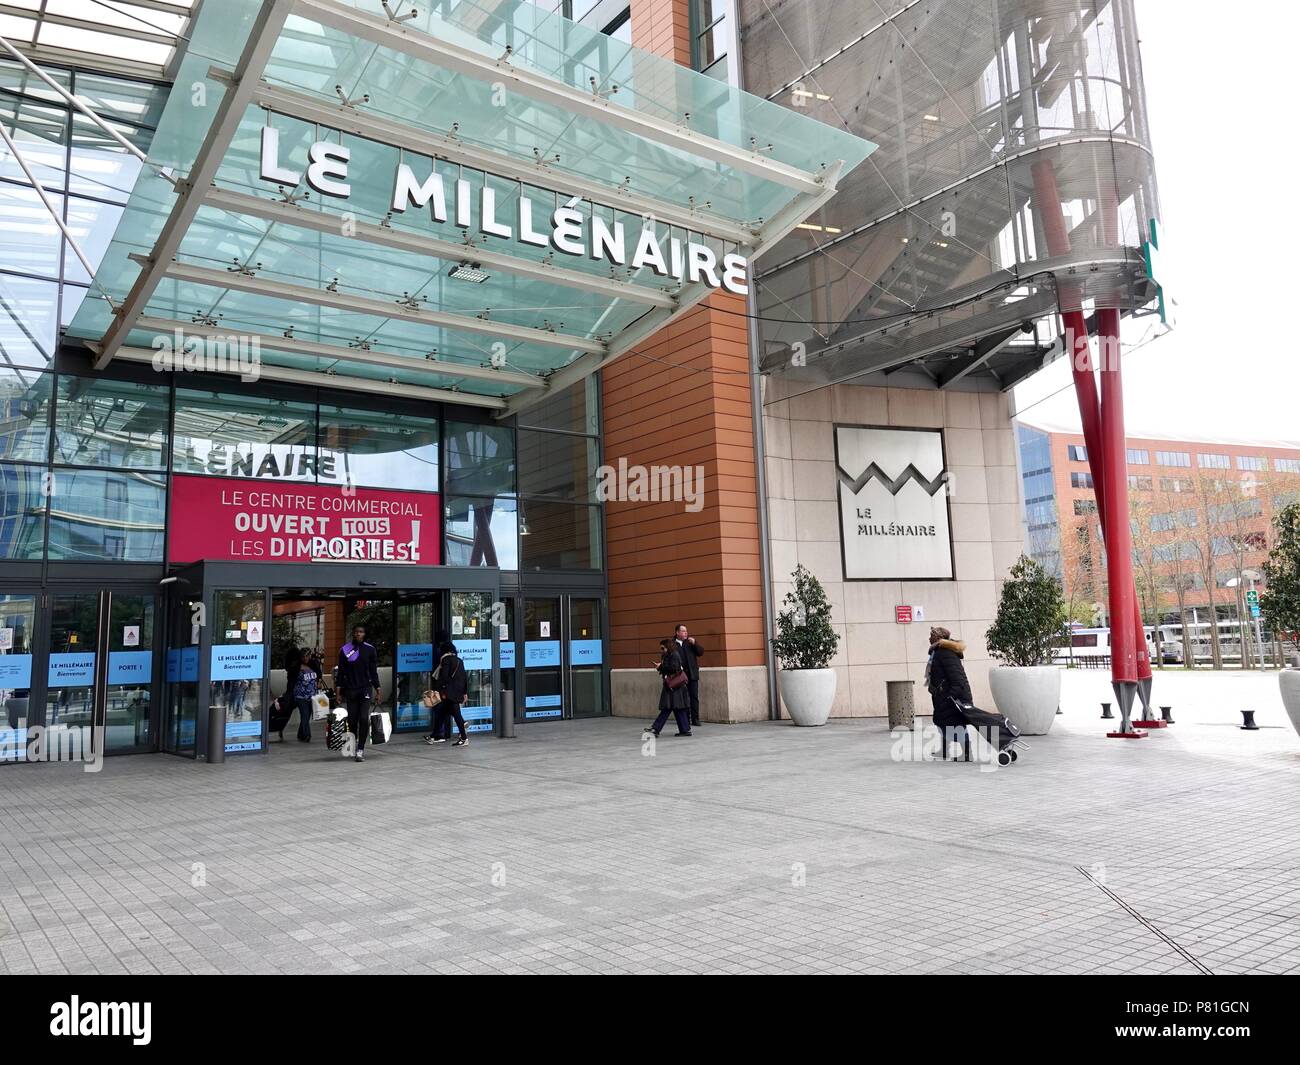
(70, 687)
(416, 654)
(586, 657)
(181, 670)
(18, 619)
(471, 632)
(543, 671)
(378, 617)
(129, 682)
(237, 667)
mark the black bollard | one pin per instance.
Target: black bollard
(1166, 714)
(1248, 721)
(1106, 715)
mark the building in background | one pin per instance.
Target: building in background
(1202, 513)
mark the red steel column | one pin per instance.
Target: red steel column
(1090, 414)
(1047, 195)
(1124, 633)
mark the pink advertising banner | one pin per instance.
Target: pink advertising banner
(251, 521)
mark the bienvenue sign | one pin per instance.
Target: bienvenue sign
(893, 503)
(566, 230)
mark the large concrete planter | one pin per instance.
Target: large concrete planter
(1027, 696)
(1289, 681)
(808, 694)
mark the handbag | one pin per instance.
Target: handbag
(381, 726)
(320, 706)
(677, 680)
(430, 699)
(336, 733)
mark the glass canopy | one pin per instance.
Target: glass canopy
(467, 198)
(138, 38)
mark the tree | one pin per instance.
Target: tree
(1148, 573)
(1179, 554)
(1280, 600)
(805, 637)
(1030, 619)
(1081, 572)
(1207, 494)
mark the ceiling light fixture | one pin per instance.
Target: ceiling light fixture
(469, 272)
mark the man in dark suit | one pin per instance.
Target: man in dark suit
(690, 652)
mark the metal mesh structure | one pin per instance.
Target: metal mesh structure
(1014, 176)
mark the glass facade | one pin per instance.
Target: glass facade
(88, 178)
(1039, 493)
(90, 464)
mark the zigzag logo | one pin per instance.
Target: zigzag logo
(874, 472)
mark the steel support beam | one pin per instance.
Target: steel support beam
(343, 301)
(293, 104)
(546, 89)
(985, 349)
(134, 32)
(405, 240)
(262, 35)
(314, 378)
(341, 353)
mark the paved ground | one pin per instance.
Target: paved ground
(750, 848)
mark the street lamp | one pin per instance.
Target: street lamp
(1251, 575)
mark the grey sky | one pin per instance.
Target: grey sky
(1219, 87)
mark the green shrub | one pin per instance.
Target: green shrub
(1031, 617)
(805, 638)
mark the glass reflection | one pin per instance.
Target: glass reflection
(24, 415)
(110, 423)
(376, 450)
(22, 511)
(98, 516)
(482, 532)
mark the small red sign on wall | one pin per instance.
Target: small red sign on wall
(903, 615)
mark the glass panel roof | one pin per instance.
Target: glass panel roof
(747, 162)
(100, 33)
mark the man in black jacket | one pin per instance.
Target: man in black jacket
(357, 677)
(690, 652)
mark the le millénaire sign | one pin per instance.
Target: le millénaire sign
(893, 504)
(250, 521)
(567, 230)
